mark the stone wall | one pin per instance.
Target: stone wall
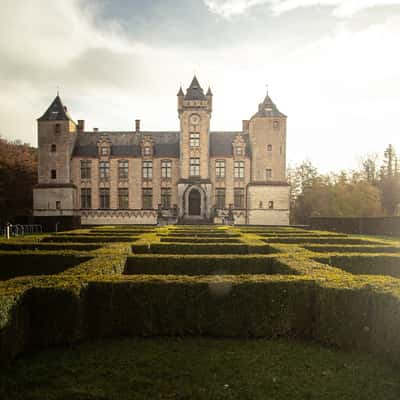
(259, 211)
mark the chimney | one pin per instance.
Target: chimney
(245, 125)
(137, 125)
(95, 129)
(81, 125)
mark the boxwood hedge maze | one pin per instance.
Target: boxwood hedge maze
(238, 282)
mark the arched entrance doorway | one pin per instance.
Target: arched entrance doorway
(194, 202)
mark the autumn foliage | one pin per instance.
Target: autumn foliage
(18, 175)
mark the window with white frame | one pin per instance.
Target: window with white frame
(123, 169)
(104, 169)
(147, 169)
(239, 169)
(166, 167)
(268, 174)
(194, 139)
(220, 168)
(194, 166)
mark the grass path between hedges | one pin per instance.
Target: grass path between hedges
(198, 369)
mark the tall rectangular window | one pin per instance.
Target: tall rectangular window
(53, 148)
(53, 174)
(220, 198)
(86, 167)
(238, 198)
(194, 167)
(57, 128)
(147, 198)
(86, 198)
(239, 169)
(166, 198)
(123, 198)
(104, 169)
(194, 139)
(147, 169)
(220, 168)
(166, 166)
(104, 198)
(268, 174)
(123, 169)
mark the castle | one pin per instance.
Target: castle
(194, 175)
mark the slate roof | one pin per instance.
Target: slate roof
(221, 143)
(166, 144)
(56, 112)
(268, 109)
(195, 91)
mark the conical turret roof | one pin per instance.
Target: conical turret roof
(268, 109)
(56, 112)
(195, 91)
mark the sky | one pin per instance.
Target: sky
(332, 66)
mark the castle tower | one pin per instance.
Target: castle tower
(55, 193)
(268, 191)
(267, 132)
(194, 190)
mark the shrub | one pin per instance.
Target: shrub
(205, 265)
(365, 265)
(186, 248)
(242, 307)
(13, 246)
(313, 239)
(352, 249)
(199, 240)
(89, 239)
(14, 264)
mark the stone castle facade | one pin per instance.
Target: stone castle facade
(193, 175)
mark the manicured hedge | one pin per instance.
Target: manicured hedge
(365, 265)
(14, 264)
(15, 246)
(203, 239)
(247, 308)
(89, 239)
(203, 234)
(206, 265)
(314, 239)
(185, 248)
(353, 249)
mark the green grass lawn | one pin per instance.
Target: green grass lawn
(198, 369)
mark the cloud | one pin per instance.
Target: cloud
(340, 8)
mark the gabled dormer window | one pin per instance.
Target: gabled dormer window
(104, 151)
(147, 151)
(239, 151)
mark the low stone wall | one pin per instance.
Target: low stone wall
(359, 225)
(118, 217)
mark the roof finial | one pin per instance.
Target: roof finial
(58, 90)
(267, 89)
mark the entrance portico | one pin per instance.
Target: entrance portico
(194, 200)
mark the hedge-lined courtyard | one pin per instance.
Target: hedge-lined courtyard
(212, 281)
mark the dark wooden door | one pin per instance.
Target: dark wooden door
(194, 202)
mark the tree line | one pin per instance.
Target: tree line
(372, 190)
(18, 175)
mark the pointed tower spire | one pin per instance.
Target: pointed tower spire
(209, 92)
(180, 93)
(195, 91)
(268, 108)
(56, 112)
